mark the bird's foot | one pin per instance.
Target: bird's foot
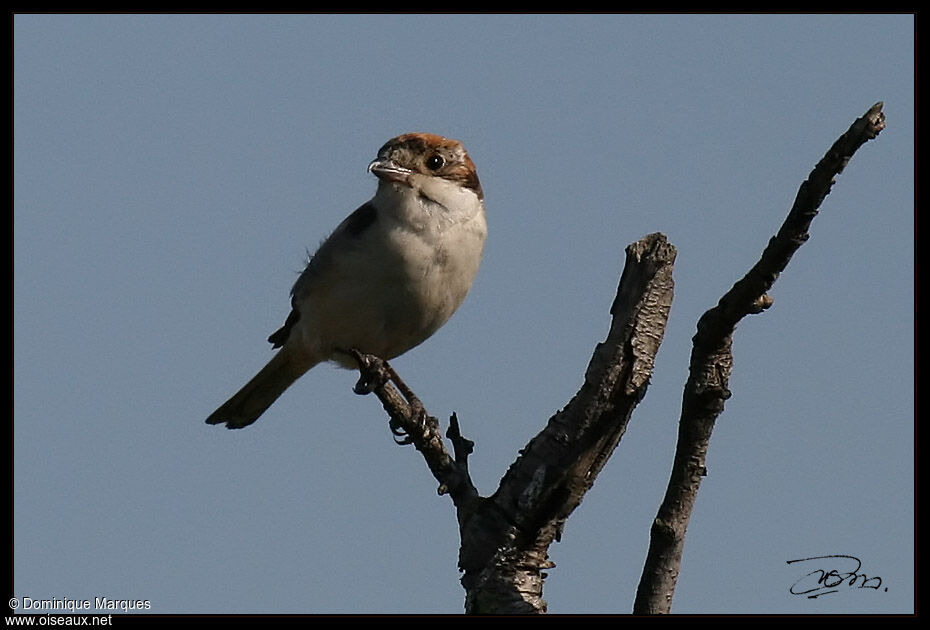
(373, 372)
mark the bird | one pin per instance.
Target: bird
(387, 278)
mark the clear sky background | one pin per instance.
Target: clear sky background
(171, 173)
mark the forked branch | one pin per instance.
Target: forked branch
(706, 390)
(505, 537)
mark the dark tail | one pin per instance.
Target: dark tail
(257, 395)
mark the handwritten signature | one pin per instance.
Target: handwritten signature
(830, 577)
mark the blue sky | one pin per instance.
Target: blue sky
(171, 172)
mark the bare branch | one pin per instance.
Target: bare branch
(410, 420)
(505, 543)
(712, 360)
(505, 538)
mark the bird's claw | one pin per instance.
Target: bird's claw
(372, 373)
(417, 415)
(363, 386)
(401, 437)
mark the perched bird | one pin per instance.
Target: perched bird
(387, 278)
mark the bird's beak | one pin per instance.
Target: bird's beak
(387, 170)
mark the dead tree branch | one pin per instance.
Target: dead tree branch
(410, 421)
(505, 537)
(706, 390)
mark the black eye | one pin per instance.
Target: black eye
(434, 162)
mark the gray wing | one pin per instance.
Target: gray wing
(351, 228)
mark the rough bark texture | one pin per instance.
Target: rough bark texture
(706, 390)
(505, 537)
(505, 544)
